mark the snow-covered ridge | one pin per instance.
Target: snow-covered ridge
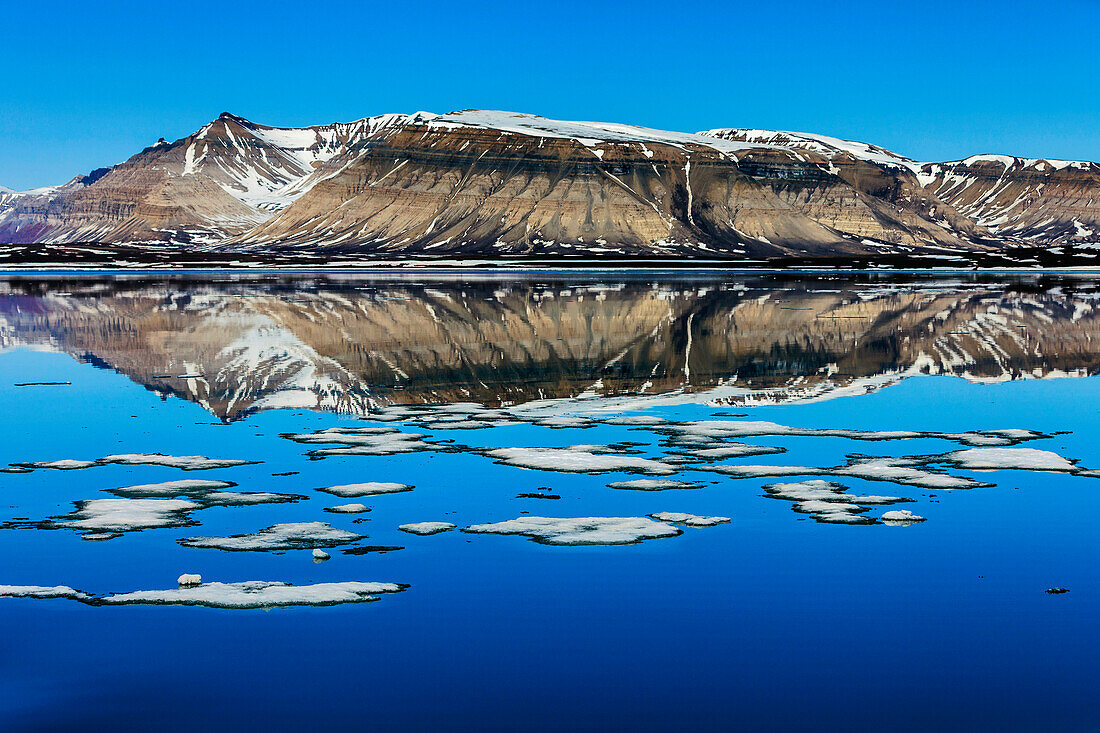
(268, 168)
(829, 146)
(590, 134)
(1009, 161)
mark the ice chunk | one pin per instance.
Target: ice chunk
(1028, 459)
(581, 530)
(735, 450)
(290, 536)
(901, 517)
(41, 591)
(575, 460)
(347, 509)
(189, 579)
(370, 488)
(691, 520)
(832, 512)
(127, 515)
(255, 594)
(653, 484)
(186, 463)
(320, 555)
(817, 490)
(426, 528)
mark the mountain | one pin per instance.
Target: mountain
(248, 344)
(224, 179)
(1022, 200)
(490, 185)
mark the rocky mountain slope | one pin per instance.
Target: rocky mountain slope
(1016, 199)
(489, 185)
(224, 179)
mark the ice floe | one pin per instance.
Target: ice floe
(426, 528)
(289, 536)
(377, 442)
(580, 530)
(653, 484)
(905, 471)
(901, 517)
(716, 429)
(320, 555)
(250, 594)
(369, 488)
(734, 450)
(818, 490)
(347, 509)
(206, 492)
(828, 502)
(579, 459)
(690, 520)
(189, 579)
(1026, 459)
(128, 515)
(185, 463)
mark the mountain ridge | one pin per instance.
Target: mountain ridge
(501, 184)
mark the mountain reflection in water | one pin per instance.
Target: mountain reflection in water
(242, 343)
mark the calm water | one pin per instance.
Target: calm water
(807, 610)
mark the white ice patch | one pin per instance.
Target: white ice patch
(580, 530)
(577, 460)
(901, 517)
(189, 579)
(817, 490)
(716, 429)
(903, 471)
(186, 463)
(734, 450)
(348, 509)
(653, 484)
(128, 515)
(290, 536)
(377, 442)
(690, 520)
(1025, 459)
(42, 591)
(426, 528)
(370, 488)
(245, 595)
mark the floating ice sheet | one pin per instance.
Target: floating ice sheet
(578, 459)
(245, 595)
(715, 429)
(900, 518)
(581, 530)
(369, 488)
(347, 509)
(289, 536)
(653, 484)
(426, 528)
(185, 463)
(1026, 459)
(690, 520)
(905, 471)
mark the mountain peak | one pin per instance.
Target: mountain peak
(230, 117)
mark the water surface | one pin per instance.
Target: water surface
(966, 401)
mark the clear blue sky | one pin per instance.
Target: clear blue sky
(89, 84)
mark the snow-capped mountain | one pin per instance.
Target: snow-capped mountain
(224, 179)
(494, 184)
(1033, 201)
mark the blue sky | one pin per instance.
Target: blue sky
(89, 84)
